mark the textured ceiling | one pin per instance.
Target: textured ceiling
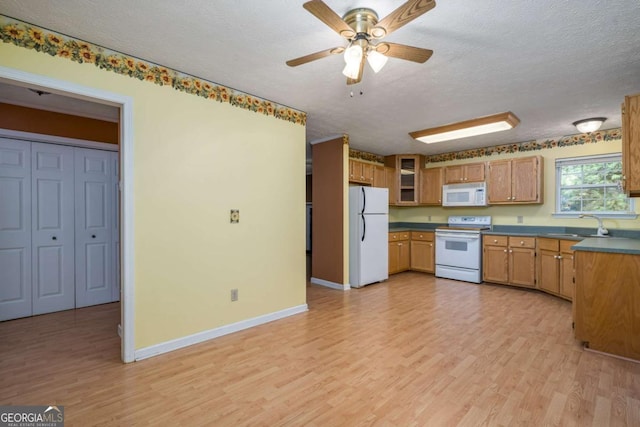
(551, 62)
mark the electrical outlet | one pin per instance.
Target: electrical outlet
(429, 218)
(234, 294)
(520, 219)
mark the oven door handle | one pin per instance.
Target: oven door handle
(458, 237)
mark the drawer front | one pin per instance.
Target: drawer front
(495, 240)
(548, 244)
(426, 236)
(403, 235)
(522, 242)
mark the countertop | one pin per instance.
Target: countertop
(619, 245)
(584, 242)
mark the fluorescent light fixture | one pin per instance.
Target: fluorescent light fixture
(589, 125)
(473, 127)
(376, 60)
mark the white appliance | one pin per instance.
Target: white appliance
(466, 194)
(368, 235)
(459, 248)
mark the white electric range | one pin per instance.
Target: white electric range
(459, 248)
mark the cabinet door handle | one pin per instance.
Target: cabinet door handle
(521, 243)
(510, 251)
(54, 238)
(93, 236)
(505, 251)
(495, 241)
(431, 244)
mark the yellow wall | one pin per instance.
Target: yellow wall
(194, 160)
(532, 214)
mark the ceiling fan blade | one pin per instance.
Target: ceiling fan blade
(402, 51)
(314, 56)
(401, 16)
(321, 11)
(360, 71)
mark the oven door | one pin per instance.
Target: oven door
(458, 249)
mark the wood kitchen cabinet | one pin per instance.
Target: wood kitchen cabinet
(555, 267)
(379, 176)
(471, 172)
(399, 252)
(606, 307)
(431, 186)
(495, 259)
(361, 172)
(515, 181)
(391, 184)
(509, 260)
(631, 145)
(407, 177)
(423, 251)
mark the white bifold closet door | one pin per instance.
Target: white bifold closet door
(15, 229)
(53, 246)
(94, 202)
(59, 239)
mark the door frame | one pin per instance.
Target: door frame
(125, 103)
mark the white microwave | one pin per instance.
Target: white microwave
(467, 194)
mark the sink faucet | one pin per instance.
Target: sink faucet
(601, 230)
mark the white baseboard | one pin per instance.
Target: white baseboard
(329, 284)
(178, 343)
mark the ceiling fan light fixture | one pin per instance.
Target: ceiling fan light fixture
(353, 54)
(467, 128)
(351, 70)
(376, 60)
(589, 125)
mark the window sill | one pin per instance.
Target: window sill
(611, 215)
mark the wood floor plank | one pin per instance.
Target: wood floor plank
(413, 351)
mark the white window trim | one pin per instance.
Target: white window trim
(602, 214)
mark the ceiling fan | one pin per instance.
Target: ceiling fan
(362, 29)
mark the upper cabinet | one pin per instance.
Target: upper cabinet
(360, 172)
(407, 177)
(515, 181)
(471, 172)
(631, 145)
(431, 186)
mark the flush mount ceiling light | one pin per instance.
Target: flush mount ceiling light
(473, 127)
(589, 125)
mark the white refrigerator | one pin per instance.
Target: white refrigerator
(368, 235)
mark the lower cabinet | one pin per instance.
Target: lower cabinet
(606, 308)
(423, 251)
(399, 252)
(510, 260)
(555, 267)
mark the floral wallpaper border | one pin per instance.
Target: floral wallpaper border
(42, 40)
(565, 141)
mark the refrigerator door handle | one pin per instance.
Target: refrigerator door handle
(364, 201)
(364, 228)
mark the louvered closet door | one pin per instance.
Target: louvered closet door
(15, 229)
(52, 201)
(94, 227)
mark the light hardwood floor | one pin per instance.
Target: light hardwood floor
(414, 351)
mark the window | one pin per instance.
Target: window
(591, 185)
